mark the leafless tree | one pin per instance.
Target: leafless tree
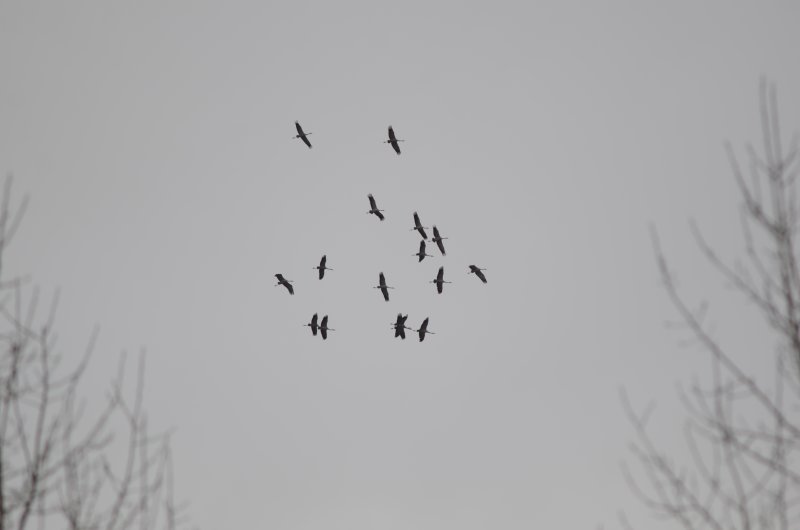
(742, 435)
(66, 462)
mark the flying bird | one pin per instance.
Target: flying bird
(421, 254)
(322, 268)
(313, 325)
(418, 226)
(423, 329)
(383, 287)
(286, 283)
(393, 140)
(400, 326)
(323, 327)
(474, 269)
(439, 281)
(438, 240)
(302, 135)
(373, 207)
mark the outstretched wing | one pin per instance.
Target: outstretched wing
(418, 226)
(438, 238)
(280, 278)
(289, 287)
(440, 275)
(379, 214)
(301, 134)
(385, 293)
(381, 280)
(314, 325)
(372, 204)
(323, 328)
(393, 140)
(423, 329)
(479, 274)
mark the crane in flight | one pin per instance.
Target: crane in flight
(322, 268)
(439, 281)
(418, 226)
(438, 240)
(400, 326)
(323, 327)
(393, 140)
(286, 283)
(302, 135)
(383, 287)
(421, 254)
(477, 271)
(313, 325)
(423, 329)
(373, 207)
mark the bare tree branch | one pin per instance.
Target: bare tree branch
(54, 463)
(743, 438)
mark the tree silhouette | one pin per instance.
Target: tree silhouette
(61, 466)
(742, 435)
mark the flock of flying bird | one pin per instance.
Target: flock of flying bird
(321, 326)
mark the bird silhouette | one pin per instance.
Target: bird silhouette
(438, 240)
(383, 287)
(302, 135)
(313, 325)
(393, 140)
(421, 253)
(373, 207)
(474, 269)
(322, 268)
(286, 283)
(423, 329)
(418, 226)
(439, 280)
(323, 328)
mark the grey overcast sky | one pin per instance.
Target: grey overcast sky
(542, 138)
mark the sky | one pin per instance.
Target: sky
(154, 140)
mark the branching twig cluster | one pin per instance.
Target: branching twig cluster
(743, 437)
(59, 464)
